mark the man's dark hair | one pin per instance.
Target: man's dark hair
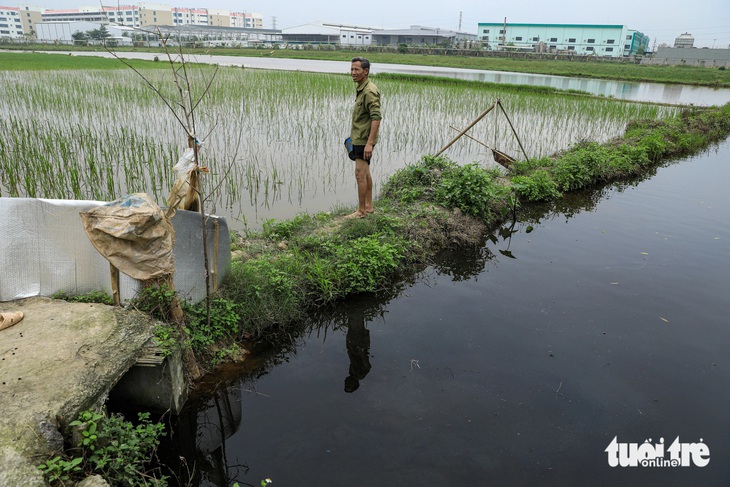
(364, 63)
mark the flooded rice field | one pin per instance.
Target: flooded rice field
(598, 321)
(272, 139)
(624, 90)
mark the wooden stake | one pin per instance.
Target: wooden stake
(469, 127)
(115, 284)
(513, 130)
(500, 157)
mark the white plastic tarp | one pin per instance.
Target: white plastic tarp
(45, 250)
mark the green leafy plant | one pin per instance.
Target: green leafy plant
(167, 337)
(155, 301)
(471, 189)
(535, 187)
(90, 297)
(285, 229)
(59, 470)
(112, 447)
(266, 291)
(223, 323)
(364, 263)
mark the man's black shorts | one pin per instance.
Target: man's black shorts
(359, 152)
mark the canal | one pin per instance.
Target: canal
(518, 362)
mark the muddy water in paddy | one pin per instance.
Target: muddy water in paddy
(515, 363)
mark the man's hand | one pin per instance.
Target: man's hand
(368, 151)
(374, 128)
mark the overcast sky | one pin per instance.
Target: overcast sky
(662, 20)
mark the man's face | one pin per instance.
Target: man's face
(358, 74)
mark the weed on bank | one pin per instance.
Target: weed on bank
(645, 144)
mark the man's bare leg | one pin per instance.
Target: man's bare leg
(369, 193)
(363, 178)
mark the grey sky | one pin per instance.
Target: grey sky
(662, 20)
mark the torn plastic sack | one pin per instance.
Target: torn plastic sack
(184, 194)
(134, 235)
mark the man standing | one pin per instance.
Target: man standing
(365, 125)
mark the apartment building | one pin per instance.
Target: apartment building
(17, 21)
(121, 15)
(11, 22)
(248, 21)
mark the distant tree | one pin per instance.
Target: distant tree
(80, 36)
(99, 34)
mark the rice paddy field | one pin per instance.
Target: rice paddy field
(272, 139)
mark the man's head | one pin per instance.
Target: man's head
(359, 69)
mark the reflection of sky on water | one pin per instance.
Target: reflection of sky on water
(625, 90)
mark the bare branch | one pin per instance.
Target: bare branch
(149, 83)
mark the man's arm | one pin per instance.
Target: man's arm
(374, 128)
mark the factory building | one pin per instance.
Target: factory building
(581, 39)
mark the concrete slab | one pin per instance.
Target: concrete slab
(61, 359)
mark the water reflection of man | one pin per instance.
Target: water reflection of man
(358, 349)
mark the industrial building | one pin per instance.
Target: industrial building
(689, 56)
(582, 39)
(418, 35)
(684, 41)
(63, 32)
(351, 35)
(328, 33)
(198, 35)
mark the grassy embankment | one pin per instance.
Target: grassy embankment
(313, 260)
(689, 75)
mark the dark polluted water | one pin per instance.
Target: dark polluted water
(515, 363)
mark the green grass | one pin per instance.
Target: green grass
(11, 61)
